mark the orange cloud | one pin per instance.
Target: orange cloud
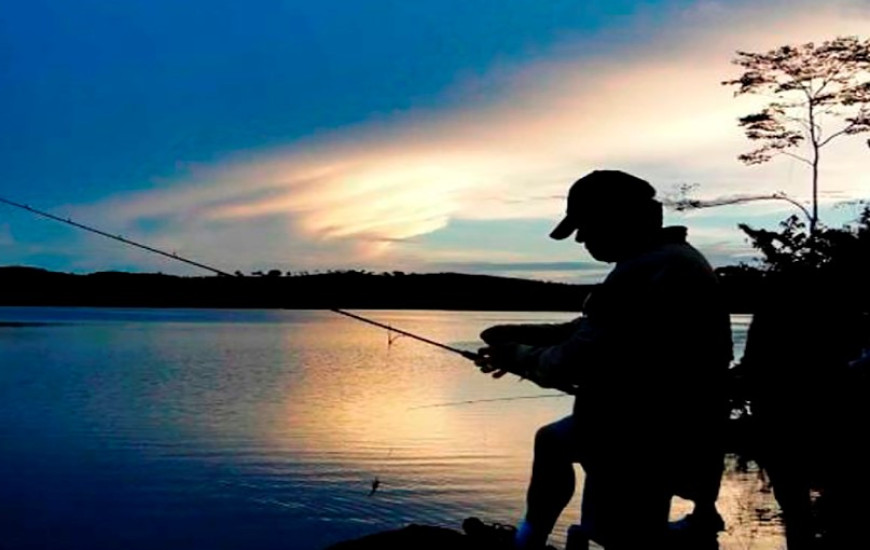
(654, 104)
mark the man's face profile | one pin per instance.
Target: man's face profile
(602, 234)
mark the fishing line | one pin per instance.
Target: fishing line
(471, 356)
(391, 338)
(492, 400)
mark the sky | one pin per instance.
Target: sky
(385, 135)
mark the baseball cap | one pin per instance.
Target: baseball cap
(601, 189)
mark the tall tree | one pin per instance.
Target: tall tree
(818, 92)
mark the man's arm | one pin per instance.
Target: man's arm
(549, 366)
(562, 364)
(530, 334)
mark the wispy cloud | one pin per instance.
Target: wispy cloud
(515, 266)
(6, 238)
(567, 272)
(652, 103)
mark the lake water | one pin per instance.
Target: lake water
(214, 429)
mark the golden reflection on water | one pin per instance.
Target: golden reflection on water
(363, 408)
(750, 511)
(230, 426)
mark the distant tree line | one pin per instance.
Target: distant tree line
(788, 249)
(26, 286)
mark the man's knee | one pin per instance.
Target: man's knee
(557, 438)
(544, 438)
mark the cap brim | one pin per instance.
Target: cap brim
(564, 230)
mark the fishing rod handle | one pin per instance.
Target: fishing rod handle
(471, 356)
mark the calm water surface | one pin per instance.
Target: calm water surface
(184, 429)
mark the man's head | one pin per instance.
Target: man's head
(613, 213)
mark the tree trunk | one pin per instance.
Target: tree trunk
(815, 219)
(814, 139)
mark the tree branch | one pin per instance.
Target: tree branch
(806, 161)
(844, 130)
(694, 204)
(799, 121)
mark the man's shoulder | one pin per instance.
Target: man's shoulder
(665, 254)
(674, 256)
(684, 252)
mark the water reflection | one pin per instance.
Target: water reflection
(234, 431)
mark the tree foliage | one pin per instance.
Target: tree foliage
(819, 92)
(846, 249)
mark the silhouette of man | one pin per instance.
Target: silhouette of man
(801, 371)
(646, 362)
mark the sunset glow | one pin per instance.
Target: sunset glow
(502, 145)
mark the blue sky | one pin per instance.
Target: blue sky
(421, 136)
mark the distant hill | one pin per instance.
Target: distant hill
(29, 286)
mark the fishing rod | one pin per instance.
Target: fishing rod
(471, 356)
(118, 238)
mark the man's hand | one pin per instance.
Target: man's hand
(500, 334)
(501, 359)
